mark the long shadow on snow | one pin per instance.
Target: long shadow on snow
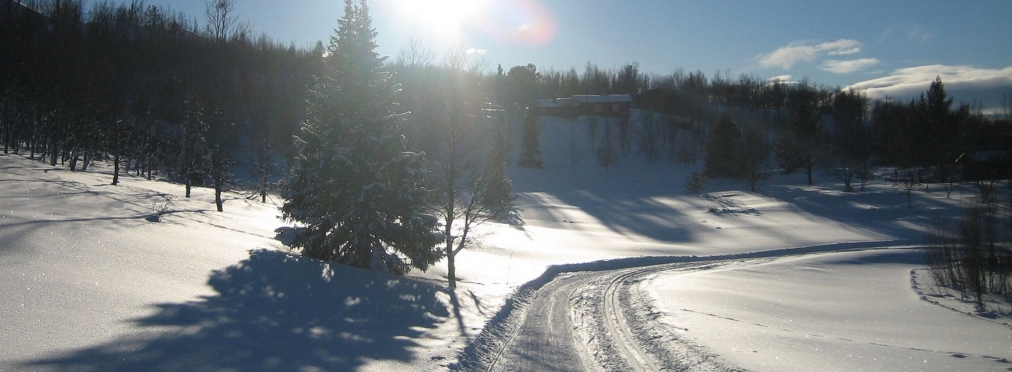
(273, 312)
(883, 211)
(888, 213)
(640, 216)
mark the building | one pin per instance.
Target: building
(613, 105)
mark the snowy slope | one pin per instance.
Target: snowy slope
(585, 213)
(95, 285)
(91, 283)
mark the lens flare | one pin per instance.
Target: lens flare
(521, 22)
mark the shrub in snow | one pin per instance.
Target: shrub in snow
(974, 254)
(696, 182)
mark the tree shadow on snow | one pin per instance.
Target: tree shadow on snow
(274, 312)
(881, 210)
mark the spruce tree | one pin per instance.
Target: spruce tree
(355, 191)
(531, 155)
(722, 152)
(941, 127)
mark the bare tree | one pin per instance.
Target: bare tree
(907, 183)
(849, 147)
(973, 255)
(415, 56)
(223, 23)
(607, 154)
(754, 155)
(467, 172)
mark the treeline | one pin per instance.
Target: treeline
(751, 129)
(743, 91)
(150, 90)
(154, 92)
(798, 126)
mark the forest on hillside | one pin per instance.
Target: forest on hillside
(158, 92)
(211, 103)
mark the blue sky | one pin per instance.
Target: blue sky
(885, 47)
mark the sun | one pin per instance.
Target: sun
(444, 20)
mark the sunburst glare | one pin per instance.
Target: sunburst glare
(444, 20)
(525, 22)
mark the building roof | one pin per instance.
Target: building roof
(582, 99)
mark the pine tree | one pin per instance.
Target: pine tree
(722, 158)
(530, 157)
(354, 189)
(941, 127)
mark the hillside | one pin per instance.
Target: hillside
(98, 283)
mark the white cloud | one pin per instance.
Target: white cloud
(787, 56)
(964, 83)
(476, 51)
(919, 35)
(845, 51)
(841, 47)
(845, 67)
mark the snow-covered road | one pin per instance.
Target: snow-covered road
(638, 319)
(592, 321)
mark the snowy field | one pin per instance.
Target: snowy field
(93, 281)
(851, 311)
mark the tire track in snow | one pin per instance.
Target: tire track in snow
(544, 340)
(618, 328)
(532, 332)
(646, 344)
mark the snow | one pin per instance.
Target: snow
(92, 283)
(832, 311)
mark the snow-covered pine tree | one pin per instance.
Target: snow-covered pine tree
(355, 191)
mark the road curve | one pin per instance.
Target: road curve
(544, 339)
(594, 317)
(603, 336)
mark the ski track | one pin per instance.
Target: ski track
(587, 317)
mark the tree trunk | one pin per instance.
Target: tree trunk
(451, 268)
(73, 161)
(56, 152)
(115, 169)
(217, 193)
